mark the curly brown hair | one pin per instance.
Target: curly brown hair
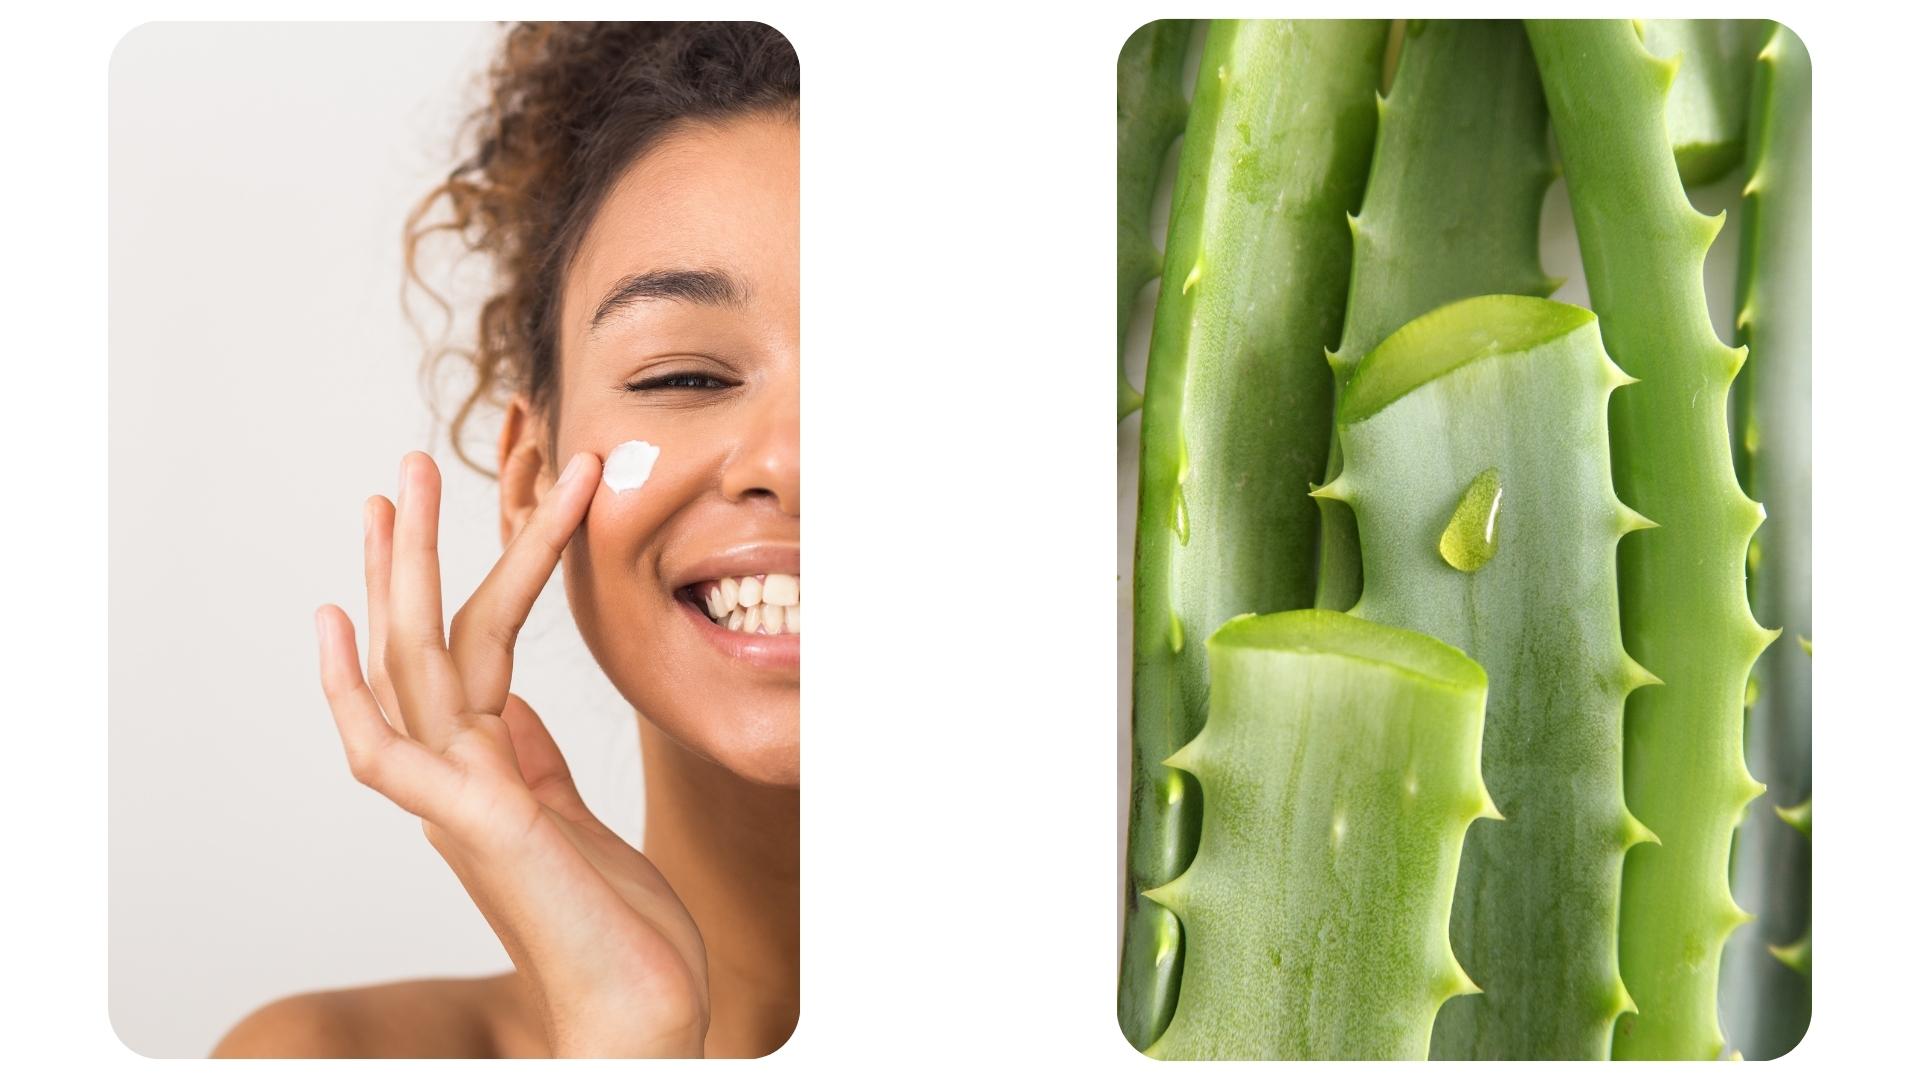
(569, 107)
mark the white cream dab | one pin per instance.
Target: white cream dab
(629, 465)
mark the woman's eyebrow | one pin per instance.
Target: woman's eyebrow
(712, 287)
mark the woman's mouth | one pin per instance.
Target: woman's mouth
(766, 604)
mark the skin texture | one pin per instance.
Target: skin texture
(1452, 210)
(1235, 425)
(1516, 387)
(610, 958)
(1341, 763)
(1153, 109)
(1683, 600)
(1767, 1008)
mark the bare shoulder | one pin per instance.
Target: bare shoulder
(427, 1018)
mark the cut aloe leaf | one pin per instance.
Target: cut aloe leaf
(1341, 764)
(1484, 424)
(1452, 210)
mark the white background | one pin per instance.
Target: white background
(958, 830)
(262, 382)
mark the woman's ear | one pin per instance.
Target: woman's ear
(525, 471)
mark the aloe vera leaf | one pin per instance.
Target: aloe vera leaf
(1798, 954)
(1505, 398)
(1767, 1008)
(1452, 210)
(1683, 601)
(1153, 109)
(1238, 408)
(1341, 764)
(1707, 109)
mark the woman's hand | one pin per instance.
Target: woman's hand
(615, 961)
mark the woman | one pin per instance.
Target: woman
(636, 188)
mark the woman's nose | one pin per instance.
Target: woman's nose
(767, 465)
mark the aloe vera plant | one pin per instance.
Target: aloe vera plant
(1684, 608)
(1341, 764)
(1153, 109)
(1452, 210)
(1237, 416)
(1707, 107)
(1773, 456)
(1475, 442)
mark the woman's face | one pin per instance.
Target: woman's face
(680, 326)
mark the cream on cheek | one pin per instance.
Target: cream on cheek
(629, 465)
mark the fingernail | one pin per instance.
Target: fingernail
(366, 517)
(403, 480)
(572, 470)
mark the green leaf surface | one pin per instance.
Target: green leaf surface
(1684, 610)
(1153, 109)
(1505, 398)
(1341, 765)
(1238, 407)
(1452, 210)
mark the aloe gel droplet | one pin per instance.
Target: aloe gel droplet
(1472, 535)
(1180, 513)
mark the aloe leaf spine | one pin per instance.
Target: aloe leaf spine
(1238, 409)
(1341, 764)
(1153, 110)
(1452, 210)
(1767, 1008)
(1506, 396)
(1797, 955)
(1684, 609)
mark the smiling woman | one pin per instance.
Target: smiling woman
(636, 189)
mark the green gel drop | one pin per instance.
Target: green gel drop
(1472, 536)
(1180, 513)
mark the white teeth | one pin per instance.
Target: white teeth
(781, 590)
(760, 604)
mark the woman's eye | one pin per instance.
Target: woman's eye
(681, 381)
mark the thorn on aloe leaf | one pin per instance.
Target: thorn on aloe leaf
(1800, 816)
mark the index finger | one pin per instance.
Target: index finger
(484, 629)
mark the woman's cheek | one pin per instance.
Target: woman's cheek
(639, 482)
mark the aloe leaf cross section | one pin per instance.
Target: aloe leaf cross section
(1341, 764)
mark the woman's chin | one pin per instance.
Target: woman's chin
(770, 758)
(760, 746)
